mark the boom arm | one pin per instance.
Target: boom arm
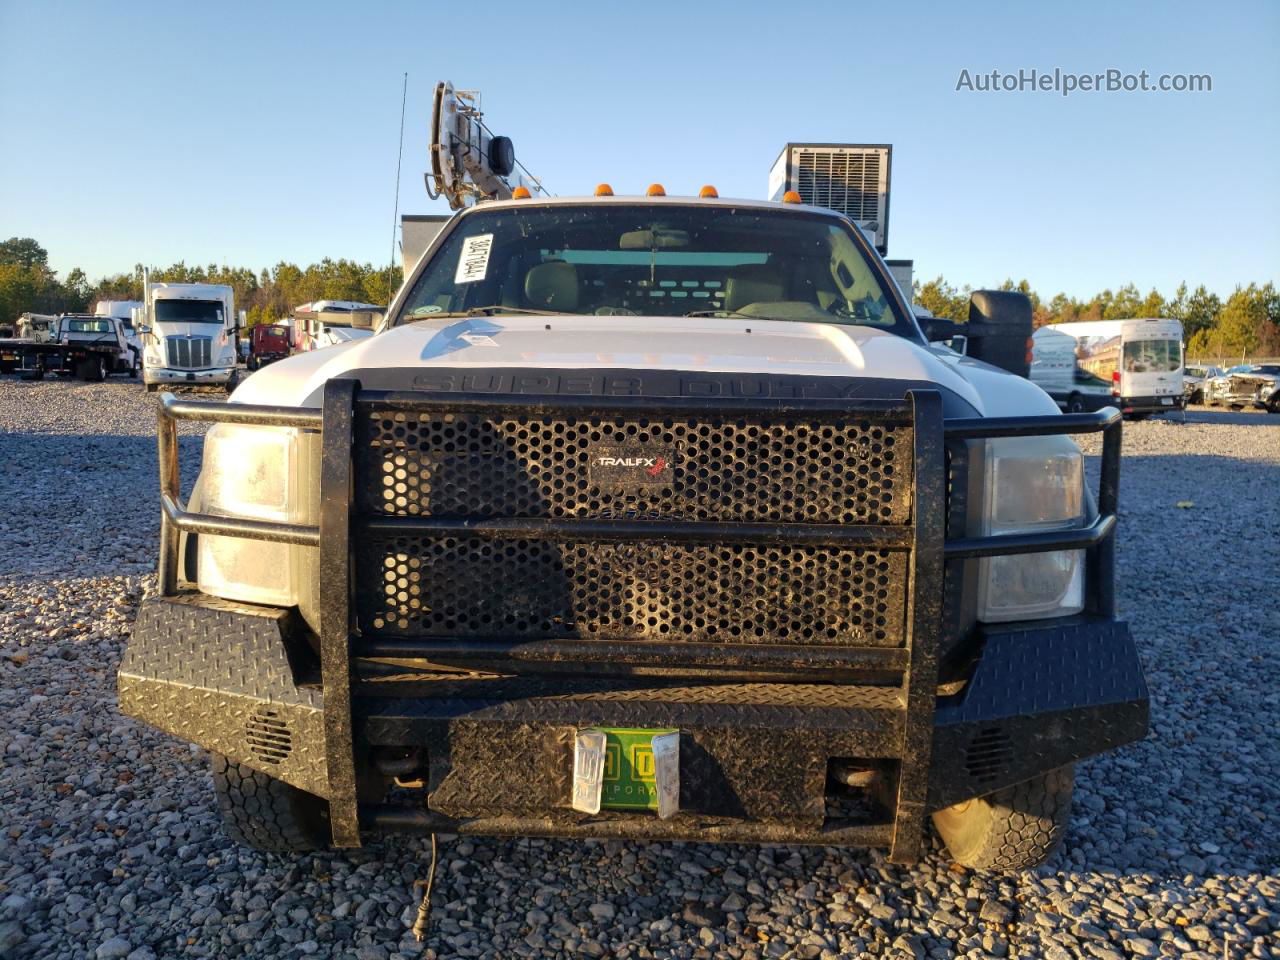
(468, 163)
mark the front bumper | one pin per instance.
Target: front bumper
(1258, 401)
(481, 634)
(159, 375)
(1151, 404)
(243, 681)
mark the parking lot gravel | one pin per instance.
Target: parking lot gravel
(110, 843)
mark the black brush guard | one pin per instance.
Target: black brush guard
(1075, 687)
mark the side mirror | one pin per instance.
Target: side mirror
(937, 329)
(144, 330)
(999, 329)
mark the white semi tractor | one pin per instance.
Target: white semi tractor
(189, 334)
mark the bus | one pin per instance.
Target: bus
(1135, 365)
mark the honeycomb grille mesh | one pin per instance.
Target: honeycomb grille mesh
(456, 465)
(735, 593)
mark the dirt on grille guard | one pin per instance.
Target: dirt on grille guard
(782, 583)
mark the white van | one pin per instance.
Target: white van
(1135, 365)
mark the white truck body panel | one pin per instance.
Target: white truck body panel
(705, 344)
(116, 308)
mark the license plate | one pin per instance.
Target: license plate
(1167, 401)
(641, 769)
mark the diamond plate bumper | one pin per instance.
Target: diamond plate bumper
(243, 681)
(476, 679)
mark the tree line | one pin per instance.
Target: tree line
(1246, 324)
(27, 284)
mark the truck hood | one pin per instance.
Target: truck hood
(704, 344)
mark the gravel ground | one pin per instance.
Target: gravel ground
(110, 845)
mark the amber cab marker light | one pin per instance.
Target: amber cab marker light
(708, 192)
(791, 197)
(655, 190)
(604, 190)
(520, 193)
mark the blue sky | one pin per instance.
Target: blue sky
(249, 133)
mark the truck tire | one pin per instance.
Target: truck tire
(1016, 828)
(266, 814)
(1075, 403)
(92, 369)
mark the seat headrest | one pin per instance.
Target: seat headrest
(552, 285)
(758, 283)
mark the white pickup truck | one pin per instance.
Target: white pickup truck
(645, 517)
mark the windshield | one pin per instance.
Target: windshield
(89, 326)
(656, 260)
(1270, 369)
(1152, 356)
(189, 311)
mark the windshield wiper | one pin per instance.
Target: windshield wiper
(489, 311)
(725, 313)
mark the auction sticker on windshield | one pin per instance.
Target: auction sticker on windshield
(473, 263)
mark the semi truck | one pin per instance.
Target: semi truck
(188, 332)
(645, 516)
(269, 342)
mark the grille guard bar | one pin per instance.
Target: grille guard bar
(925, 538)
(176, 518)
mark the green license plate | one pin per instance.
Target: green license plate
(629, 782)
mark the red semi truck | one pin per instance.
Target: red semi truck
(268, 343)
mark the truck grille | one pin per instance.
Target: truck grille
(466, 467)
(188, 353)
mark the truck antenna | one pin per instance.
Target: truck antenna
(395, 217)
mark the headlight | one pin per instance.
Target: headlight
(1032, 484)
(251, 472)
